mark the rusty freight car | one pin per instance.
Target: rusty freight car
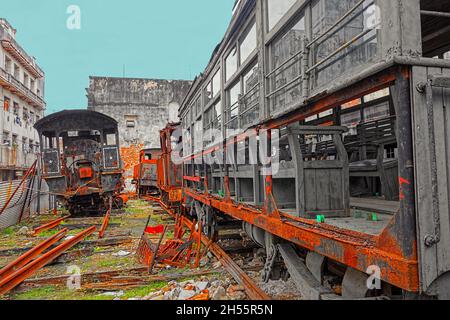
(323, 126)
(80, 159)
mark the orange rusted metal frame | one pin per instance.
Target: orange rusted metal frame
(31, 254)
(16, 278)
(105, 224)
(49, 226)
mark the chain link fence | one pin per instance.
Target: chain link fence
(23, 200)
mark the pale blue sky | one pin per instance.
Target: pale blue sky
(162, 39)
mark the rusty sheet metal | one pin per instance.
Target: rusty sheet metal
(40, 201)
(351, 248)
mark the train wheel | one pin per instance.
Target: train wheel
(207, 217)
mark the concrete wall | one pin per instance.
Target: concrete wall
(149, 104)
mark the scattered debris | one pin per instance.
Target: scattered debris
(121, 253)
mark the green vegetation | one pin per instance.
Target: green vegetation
(59, 293)
(8, 231)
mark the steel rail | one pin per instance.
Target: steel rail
(16, 278)
(105, 224)
(49, 226)
(31, 254)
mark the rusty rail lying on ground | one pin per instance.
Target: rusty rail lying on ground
(105, 223)
(16, 278)
(31, 254)
(49, 226)
(252, 290)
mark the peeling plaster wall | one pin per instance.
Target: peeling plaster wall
(150, 104)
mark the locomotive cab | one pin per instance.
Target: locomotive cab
(80, 159)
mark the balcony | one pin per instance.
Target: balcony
(18, 88)
(15, 50)
(15, 158)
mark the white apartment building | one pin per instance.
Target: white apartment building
(21, 105)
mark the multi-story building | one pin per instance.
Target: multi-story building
(22, 104)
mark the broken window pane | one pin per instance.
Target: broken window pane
(285, 80)
(231, 64)
(277, 9)
(248, 45)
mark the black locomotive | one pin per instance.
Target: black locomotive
(81, 160)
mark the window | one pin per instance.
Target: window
(24, 145)
(376, 112)
(32, 85)
(25, 79)
(208, 93)
(16, 71)
(248, 45)
(357, 30)
(111, 139)
(231, 64)
(131, 124)
(250, 99)
(377, 95)
(351, 120)
(277, 9)
(16, 109)
(216, 83)
(8, 64)
(351, 104)
(6, 103)
(232, 113)
(285, 79)
(5, 139)
(198, 135)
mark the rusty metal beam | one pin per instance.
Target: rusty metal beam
(16, 278)
(49, 226)
(31, 254)
(353, 249)
(105, 223)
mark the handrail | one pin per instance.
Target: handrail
(285, 63)
(344, 46)
(336, 23)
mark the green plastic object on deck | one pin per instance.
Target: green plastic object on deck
(320, 219)
(374, 217)
(221, 193)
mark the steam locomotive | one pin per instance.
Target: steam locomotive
(80, 160)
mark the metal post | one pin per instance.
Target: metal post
(406, 220)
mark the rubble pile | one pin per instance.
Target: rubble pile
(202, 289)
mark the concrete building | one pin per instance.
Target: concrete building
(141, 106)
(22, 100)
